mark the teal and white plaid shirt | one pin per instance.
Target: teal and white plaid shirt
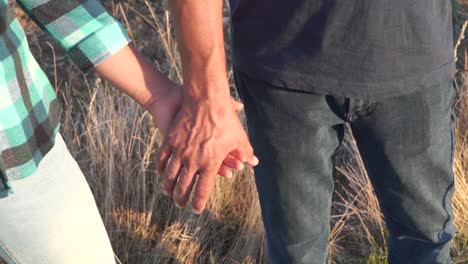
(29, 110)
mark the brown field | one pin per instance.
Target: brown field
(115, 143)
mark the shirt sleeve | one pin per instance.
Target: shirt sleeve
(84, 28)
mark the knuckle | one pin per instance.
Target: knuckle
(172, 171)
(169, 183)
(171, 176)
(185, 159)
(189, 164)
(202, 193)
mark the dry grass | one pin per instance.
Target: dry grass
(115, 143)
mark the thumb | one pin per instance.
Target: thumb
(237, 105)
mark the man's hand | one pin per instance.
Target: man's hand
(164, 110)
(203, 134)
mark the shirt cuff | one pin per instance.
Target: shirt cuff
(99, 46)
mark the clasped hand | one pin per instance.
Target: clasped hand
(202, 138)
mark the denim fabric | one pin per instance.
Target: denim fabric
(406, 142)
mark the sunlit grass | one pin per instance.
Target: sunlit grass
(115, 143)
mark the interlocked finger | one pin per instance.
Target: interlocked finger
(163, 158)
(171, 174)
(225, 171)
(183, 187)
(202, 189)
(231, 162)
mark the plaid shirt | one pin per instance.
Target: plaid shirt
(29, 109)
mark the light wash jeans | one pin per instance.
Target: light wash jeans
(406, 142)
(52, 217)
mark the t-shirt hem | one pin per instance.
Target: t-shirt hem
(319, 84)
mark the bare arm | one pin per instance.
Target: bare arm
(199, 32)
(132, 73)
(206, 129)
(135, 75)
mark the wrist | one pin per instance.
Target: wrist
(206, 90)
(205, 79)
(160, 91)
(218, 106)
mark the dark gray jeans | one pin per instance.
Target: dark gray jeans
(406, 143)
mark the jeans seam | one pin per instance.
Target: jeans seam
(8, 254)
(451, 187)
(457, 89)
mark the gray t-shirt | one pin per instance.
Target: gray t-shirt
(353, 48)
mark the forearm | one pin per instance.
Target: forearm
(133, 74)
(199, 32)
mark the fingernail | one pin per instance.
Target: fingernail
(195, 211)
(255, 160)
(177, 205)
(167, 193)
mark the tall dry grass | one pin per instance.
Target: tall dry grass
(115, 143)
